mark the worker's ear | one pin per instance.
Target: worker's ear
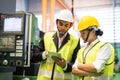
(56, 21)
(71, 25)
(93, 31)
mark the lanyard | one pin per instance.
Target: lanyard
(84, 57)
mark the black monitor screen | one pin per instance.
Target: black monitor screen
(12, 24)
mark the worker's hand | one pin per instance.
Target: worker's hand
(61, 62)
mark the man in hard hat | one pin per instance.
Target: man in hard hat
(95, 61)
(60, 42)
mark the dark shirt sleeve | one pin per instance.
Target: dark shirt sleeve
(36, 55)
(69, 65)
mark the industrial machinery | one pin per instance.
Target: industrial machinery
(17, 35)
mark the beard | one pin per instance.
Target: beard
(61, 33)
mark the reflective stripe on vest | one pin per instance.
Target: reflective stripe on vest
(91, 56)
(66, 52)
(58, 75)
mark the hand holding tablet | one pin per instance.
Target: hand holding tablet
(54, 54)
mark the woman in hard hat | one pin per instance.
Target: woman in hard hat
(60, 42)
(95, 61)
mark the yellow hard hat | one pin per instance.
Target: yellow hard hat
(86, 22)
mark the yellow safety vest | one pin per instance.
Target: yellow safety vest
(91, 56)
(66, 51)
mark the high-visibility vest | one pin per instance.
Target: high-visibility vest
(66, 52)
(91, 56)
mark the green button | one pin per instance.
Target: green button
(4, 54)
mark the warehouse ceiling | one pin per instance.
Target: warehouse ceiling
(36, 5)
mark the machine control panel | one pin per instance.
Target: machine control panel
(15, 39)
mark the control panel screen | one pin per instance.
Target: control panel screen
(7, 43)
(12, 24)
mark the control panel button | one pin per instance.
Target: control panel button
(5, 62)
(4, 54)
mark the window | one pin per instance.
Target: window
(109, 19)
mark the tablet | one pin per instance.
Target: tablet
(56, 54)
